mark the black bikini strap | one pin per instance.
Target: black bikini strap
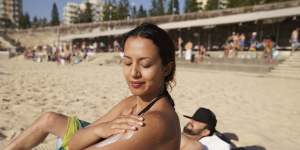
(150, 105)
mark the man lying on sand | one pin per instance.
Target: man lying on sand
(198, 133)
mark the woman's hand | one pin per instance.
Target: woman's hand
(119, 125)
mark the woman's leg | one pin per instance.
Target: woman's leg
(49, 122)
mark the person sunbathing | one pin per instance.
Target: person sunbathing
(146, 120)
(200, 132)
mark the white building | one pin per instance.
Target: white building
(203, 3)
(223, 4)
(72, 10)
(10, 10)
(71, 13)
(97, 9)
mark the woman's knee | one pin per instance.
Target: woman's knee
(48, 120)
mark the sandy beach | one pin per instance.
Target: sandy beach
(263, 112)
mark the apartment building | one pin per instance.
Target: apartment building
(72, 11)
(203, 3)
(10, 11)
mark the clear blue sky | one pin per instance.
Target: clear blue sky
(42, 8)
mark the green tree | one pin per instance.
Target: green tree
(39, 22)
(123, 9)
(160, 9)
(110, 11)
(27, 21)
(133, 12)
(88, 12)
(173, 7)
(106, 11)
(272, 1)
(86, 15)
(212, 5)
(152, 10)
(6, 23)
(157, 8)
(141, 12)
(22, 22)
(191, 6)
(35, 22)
(44, 21)
(254, 2)
(235, 3)
(241, 3)
(54, 15)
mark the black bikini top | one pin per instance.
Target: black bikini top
(170, 100)
(150, 105)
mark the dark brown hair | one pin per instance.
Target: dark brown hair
(165, 46)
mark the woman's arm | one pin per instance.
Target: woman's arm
(157, 133)
(113, 122)
(95, 133)
(83, 138)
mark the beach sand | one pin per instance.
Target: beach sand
(263, 112)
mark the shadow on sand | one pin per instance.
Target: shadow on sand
(230, 137)
(255, 147)
(4, 73)
(2, 136)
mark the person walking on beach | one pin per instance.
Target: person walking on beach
(145, 121)
(269, 47)
(295, 39)
(242, 41)
(253, 42)
(201, 53)
(179, 45)
(188, 51)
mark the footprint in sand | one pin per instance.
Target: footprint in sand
(53, 97)
(5, 99)
(36, 90)
(7, 92)
(2, 136)
(4, 107)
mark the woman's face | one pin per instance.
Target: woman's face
(143, 69)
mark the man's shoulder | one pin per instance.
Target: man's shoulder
(189, 144)
(195, 145)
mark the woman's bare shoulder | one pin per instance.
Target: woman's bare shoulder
(123, 106)
(160, 118)
(160, 128)
(162, 121)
